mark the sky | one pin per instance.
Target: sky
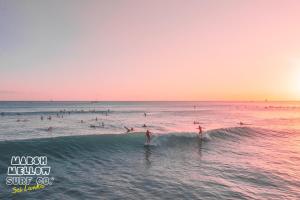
(149, 50)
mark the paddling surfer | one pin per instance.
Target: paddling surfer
(127, 129)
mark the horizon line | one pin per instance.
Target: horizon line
(96, 101)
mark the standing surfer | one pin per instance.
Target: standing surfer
(200, 130)
(148, 136)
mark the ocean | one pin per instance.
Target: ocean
(248, 150)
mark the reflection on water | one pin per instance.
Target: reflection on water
(200, 140)
(147, 153)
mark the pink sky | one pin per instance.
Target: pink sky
(150, 50)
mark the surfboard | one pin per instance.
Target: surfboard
(148, 144)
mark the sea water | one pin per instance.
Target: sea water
(249, 150)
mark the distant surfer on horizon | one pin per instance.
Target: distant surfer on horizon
(145, 114)
(148, 137)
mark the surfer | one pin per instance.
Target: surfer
(148, 136)
(92, 126)
(145, 114)
(42, 118)
(243, 124)
(127, 129)
(200, 130)
(144, 126)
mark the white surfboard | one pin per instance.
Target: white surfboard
(148, 144)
